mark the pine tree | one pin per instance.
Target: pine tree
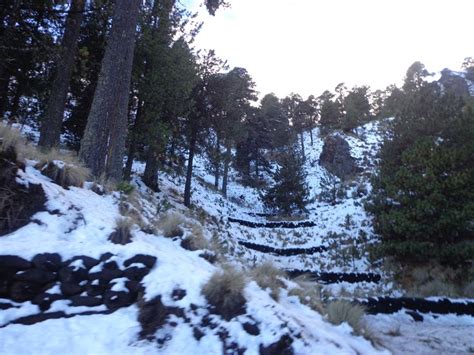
(290, 191)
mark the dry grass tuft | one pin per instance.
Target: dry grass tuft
(309, 294)
(268, 276)
(195, 240)
(342, 311)
(170, 224)
(224, 291)
(64, 168)
(123, 231)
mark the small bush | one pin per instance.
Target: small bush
(268, 276)
(437, 288)
(123, 231)
(125, 187)
(224, 291)
(10, 138)
(341, 311)
(170, 224)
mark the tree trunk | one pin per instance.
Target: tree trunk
(150, 175)
(189, 169)
(16, 99)
(52, 123)
(217, 163)
(4, 81)
(302, 147)
(104, 138)
(311, 136)
(228, 156)
(132, 148)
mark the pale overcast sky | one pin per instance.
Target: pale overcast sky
(308, 46)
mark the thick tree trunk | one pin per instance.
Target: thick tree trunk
(189, 169)
(51, 126)
(104, 138)
(311, 136)
(302, 147)
(225, 177)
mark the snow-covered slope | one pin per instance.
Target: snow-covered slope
(77, 221)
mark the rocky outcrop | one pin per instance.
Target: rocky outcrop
(454, 83)
(336, 157)
(82, 280)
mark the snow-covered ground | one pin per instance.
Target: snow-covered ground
(78, 222)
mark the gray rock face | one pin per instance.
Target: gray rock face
(454, 83)
(336, 157)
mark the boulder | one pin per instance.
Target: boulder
(336, 157)
(36, 275)
(14, 262)
(147, 260)
(454, 83)
(47, 261)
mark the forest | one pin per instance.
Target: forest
(153, 200)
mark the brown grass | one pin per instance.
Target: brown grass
(269, 277)
(224, 291)
(123, 231)
(342, 311)
(171, 224)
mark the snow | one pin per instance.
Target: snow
(78, 222)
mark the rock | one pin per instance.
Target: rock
(336, 157)
(70, 289)
(111, 265)
(454, 83)
(417, 317)
(47, 261)
(87, 261)
(97, 288)
(251, 328)
(36, 318)
(105, 256)
(136, 273)
(44, 300)
(133, 286)
(88, 301)
(106, 275)
(281, 347)
(178, 294)
(114, 300)
(22, 291)
(36, 275)
(69, 275)
(14, 262)
(147, 260)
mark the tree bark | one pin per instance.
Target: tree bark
(302, 147)
(4, 81)
(51, 126)
(150, 175)
(311, 135)
(132, 148)
(225, 177)
(104, 138)
(189, 169)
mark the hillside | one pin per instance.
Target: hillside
(93, 296)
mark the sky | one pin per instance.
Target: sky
(308, 46)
